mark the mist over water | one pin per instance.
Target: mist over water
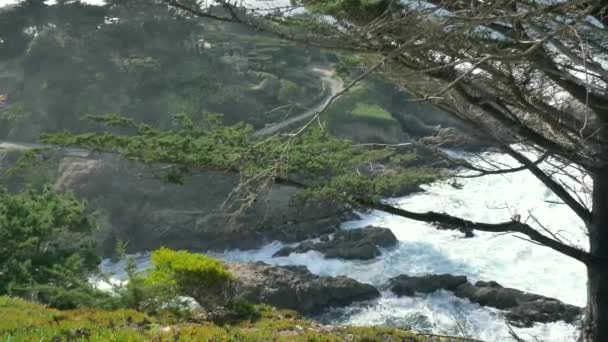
(423, 249)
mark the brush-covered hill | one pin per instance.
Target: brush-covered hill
(21, 320)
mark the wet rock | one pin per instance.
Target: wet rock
(522, 308)
(497, 297)
(404, 285)
(359, 244)
(294, 287)
(543, 310)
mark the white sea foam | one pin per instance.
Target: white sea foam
(424, 250)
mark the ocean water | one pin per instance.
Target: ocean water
(422, 249)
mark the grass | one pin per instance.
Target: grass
(371, 111)
(361, 104)
(21, 320)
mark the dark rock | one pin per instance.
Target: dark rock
(353, 251)
(500, 298)
(294, 287)
(301, 248)
(465, 290)
(359, 244)
(141, 208)
(523, 308)
(404, 285)
(468, 233)
(491, 283)
(543, 310)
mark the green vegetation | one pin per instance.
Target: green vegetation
(48, 256)
(47, 252)
(35, 169)
(174, 276)
(203, 278)
(325, 165)
(362, 104)
(168, 73)
(24, 321)
(147, 62)
(370, 102)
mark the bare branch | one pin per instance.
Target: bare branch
(482, 172)
(452, 222)
(557, 189)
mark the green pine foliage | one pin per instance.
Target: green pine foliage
(330, 167)
(46, 251)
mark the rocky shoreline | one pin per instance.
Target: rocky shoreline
(521, 308)
(143, 210)
(296, 288)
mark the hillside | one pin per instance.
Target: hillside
(149, 66)
(24, 321)
(60, 64)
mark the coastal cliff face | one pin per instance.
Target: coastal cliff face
(136, 206)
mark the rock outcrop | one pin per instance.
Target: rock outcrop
(404, 285)
(138, 207)
(294, 287)
(522, 308)
(359, 244)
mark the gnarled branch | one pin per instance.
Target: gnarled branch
(454, 222)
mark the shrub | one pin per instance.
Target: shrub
(194, 275)
(46, 251)
(243, 310)
(234, 312)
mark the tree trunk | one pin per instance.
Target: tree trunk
(595, 328)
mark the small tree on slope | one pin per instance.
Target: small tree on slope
(46, 252)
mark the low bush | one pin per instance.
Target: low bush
(243, 310)
(203, 278)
